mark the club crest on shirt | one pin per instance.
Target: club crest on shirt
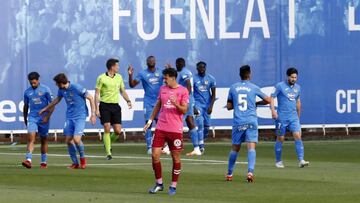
(206, 82)
(40, 93)
(157, 74)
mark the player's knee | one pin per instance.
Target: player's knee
(297, 136)
(280, 138)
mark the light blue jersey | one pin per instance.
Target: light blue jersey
(183, 76)
(75, 97)
(287, 97)
(243, 96)
(151, 82)
(37, 99)
(202, 89)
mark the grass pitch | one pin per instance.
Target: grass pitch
(333, 176)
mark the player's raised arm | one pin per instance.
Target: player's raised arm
(132, 82)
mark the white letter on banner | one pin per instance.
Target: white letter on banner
(208, 20)
(340, 108)
(350, 100)
(140, 20)
(168, 13)
(116, 18)
(292, 19)
(222, 20)
(263, 23)
(352, 25)
(4, 110)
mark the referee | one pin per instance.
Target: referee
(107, 90)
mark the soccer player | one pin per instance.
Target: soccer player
(36, 97)
(172, 104)
(242, 98)
(204, 95)
(75, 97)
(185, 78)
(108, 86)
(287, 116)
(151, 80)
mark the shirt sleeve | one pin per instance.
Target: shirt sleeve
(276, 92)
(185, 97)
(49, 96)
(213, 84)
(81, 91)
(99, 83)
(122, 85)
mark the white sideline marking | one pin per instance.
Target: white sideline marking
(130, 157)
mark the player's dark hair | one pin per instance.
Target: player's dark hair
(61, 78)
(201, 63)
(111, 62)
(245, 71)
(180, 61)
(33, 76)
(291, 71)
(171, 72)
(149, 57)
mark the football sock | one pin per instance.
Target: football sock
(107, 143)
(72, 153)
(81, 149)
(278, 150)
(194, 137)
(232, 160)
(251, 160)
(299, 147)
(43, 158)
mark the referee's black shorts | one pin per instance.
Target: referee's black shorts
(110, 113)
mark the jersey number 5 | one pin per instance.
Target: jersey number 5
(243, 103)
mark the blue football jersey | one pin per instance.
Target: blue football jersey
(202, 89)
(151, 82)
(75, 98)
(183, 76)
(243, 96)
(287, 97)
(37, 99)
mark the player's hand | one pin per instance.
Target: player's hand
(93, 119)
(274, 115)
(97, 113)
(129, 104)
(168, 65)
(147, 125)
(209, 110)
(130, 70)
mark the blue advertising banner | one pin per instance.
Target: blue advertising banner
(320, 38)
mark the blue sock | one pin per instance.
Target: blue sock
(43, 158)
(200, 130)
(232, 160)
(299, 149)
(194, 137)
(278, 150)
(81, 149)
(206, 131)
(72, 153)
(148, 138)
(251, 160)
(28, 156)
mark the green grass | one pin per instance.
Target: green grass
(333, 176)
